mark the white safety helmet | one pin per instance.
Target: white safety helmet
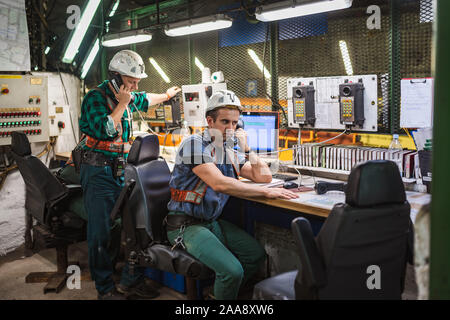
(128, 63)
(223, 98)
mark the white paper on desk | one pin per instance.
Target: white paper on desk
(416, 103)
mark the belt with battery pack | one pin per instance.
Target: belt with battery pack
(180, 222)
(98, 159)
(175, 221)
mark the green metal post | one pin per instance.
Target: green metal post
(394, 66)
(103, 63)
(274, 60)
(134, 25)
(440, 213)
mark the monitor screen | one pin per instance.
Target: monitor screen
(262, 130)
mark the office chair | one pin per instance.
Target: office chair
(363, 246)
(142, 206)
(54, 212)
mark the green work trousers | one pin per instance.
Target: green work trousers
(229, 251)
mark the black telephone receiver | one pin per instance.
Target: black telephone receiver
(116, 82)
(240, 125)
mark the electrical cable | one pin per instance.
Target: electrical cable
(8, 170)
(145, 123)
(297, 147)
(409, 135)
(67, 101)
(274, 103)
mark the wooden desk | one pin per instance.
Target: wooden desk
(320, 205)
(292, 205)
(63, 156)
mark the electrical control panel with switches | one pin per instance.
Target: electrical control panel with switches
(23, 107)
(351, 103)
(59, 120)
(303, 103)
(195, 98)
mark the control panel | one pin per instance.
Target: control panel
(303, 104)
(195, 98)
(23, 107)
(340, 102)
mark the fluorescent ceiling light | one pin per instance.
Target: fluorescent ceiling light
(197, 25)
(258, 63)
(91, 56)
(291, 9)
(160, 71)
(199, 64)
(80, 31)
(346, 57)
(126, 37)
(114, 8)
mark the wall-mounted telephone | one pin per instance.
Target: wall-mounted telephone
(351, 103)
(172, 112)
(116, 82)
(303, 103)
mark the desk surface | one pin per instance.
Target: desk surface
(64, 156)
(320, 205)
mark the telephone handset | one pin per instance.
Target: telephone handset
(116, 82)
(240, 125)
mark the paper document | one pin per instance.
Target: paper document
(416, 103)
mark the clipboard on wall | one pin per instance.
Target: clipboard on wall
(416, 103)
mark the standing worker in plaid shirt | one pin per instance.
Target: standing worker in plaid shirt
(106, 122)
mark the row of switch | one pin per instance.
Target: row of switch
(20, 124)
(5, 134)
(20, 114)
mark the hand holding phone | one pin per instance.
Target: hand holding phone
(123, 95)
(117, 84)
(241, 139)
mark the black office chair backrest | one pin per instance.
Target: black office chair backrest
(151, 194)
(311, 274)
(363, 243)
(41, 185)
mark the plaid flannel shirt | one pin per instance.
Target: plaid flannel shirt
(94, 119)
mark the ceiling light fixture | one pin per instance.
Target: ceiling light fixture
(160, 71)
(126, 37)
(197, 25)
(346, 57)
(290, 9)
(80, 30)
(199, 64)
(90, 58)
(259, 63)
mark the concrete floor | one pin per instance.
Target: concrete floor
(15, 266)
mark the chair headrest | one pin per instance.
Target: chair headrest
(375, 182)
(20, 144)
(145, 148)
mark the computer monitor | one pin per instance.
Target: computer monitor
(262, 131)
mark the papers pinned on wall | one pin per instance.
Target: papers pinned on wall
(416, 103)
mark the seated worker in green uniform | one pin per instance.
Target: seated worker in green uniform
(204, 177)
(106, 124)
